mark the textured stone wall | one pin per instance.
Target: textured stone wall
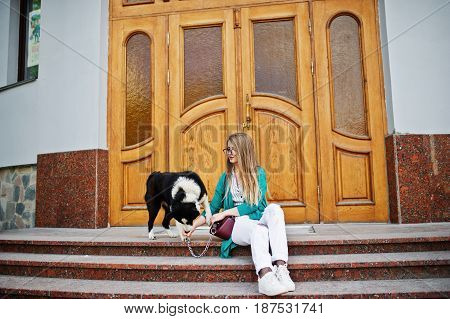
(72, 189)
(418, 167)
(17, 197)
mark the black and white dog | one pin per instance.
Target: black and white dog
(180, 194)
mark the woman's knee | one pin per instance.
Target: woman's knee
(275, 211)
(274, 207)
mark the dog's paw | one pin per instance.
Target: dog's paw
(180, 228)
(182, 237)
(151, 235)
(171, 233)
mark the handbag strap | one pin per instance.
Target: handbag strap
(188, 242)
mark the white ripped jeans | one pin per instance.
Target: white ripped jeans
(259, 233)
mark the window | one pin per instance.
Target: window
(19, 41)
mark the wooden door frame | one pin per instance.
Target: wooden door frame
(378, 54)
(133, 12)
(120, 154)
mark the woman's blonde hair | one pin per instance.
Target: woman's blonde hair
(247, 168)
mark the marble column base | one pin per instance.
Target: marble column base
(72, 189)
(418, 168)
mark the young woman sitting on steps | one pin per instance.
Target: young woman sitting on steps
(241, 192)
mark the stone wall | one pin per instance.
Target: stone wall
(17, 197)
(418, 168)
(72, 189)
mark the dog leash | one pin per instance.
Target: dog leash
(188, 242)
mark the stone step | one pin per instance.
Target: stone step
(180, 249)
(323, 239)
(38, 287)
(214, 269)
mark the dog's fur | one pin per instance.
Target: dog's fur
(180, 194)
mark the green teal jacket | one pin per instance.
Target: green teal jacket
(253, 211)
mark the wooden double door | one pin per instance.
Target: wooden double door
(181, 83)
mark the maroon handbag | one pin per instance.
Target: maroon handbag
(223, 228)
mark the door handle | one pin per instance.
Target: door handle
(248, 119)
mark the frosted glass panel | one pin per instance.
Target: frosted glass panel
(274, 55)
(139, 87)
(203, 75)
(348, 88)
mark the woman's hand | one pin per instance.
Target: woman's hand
(218, 217)
(189, 233)
(229, 212)
(198, 222)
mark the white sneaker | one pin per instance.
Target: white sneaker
(282, 273)
(270, 286)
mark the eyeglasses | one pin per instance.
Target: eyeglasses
(229, 150)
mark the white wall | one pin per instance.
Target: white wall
(416, 62)
(65, 108)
